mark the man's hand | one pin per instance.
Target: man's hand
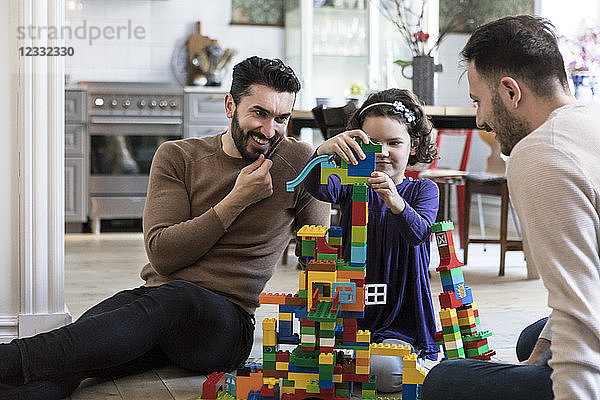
(251, 186)
(383, 185)
(345, 146)
(540, 355)
(254, 182)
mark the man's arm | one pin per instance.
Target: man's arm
(173, 239)
(556, 205)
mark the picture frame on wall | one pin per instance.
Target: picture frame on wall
(467, 15)
(257, 12)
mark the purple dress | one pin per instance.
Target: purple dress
(398, 251)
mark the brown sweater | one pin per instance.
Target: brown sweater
(185, 238)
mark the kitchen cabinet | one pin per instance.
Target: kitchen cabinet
(332, 45)
(204, 111)
(76, 156)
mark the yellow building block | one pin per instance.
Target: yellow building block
(451, 337)
(326, 359)
(322, 276)
(448, 313)
(363, 336)
(362, 370)
(285, 316)
(343, 175)
(269, 333)
(387, 349)
(281, 366)
(412, 373)
(312, 231)
(327, 326)
(363, 353)
(359, 234)
(337, 378)
(288, 390)
(270, 382)
(300, 379)
(302, 280)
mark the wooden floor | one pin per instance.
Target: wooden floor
(99, 265)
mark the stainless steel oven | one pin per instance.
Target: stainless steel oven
(127, 123)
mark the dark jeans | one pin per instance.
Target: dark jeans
(468, 379)
(134, 331)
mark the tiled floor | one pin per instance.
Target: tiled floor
(99, 265)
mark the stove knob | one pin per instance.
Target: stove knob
(114, 103)
(153, 104)
(173, 104)
(141, 103)
(126, 103)
(98, 101)
(163, 103)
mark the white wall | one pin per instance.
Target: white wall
(167, 24)
(9, 236)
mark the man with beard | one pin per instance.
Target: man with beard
(517, 79)
(216, 221)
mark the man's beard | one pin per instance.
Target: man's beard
(509, 129)
(241, 138)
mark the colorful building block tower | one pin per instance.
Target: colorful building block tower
(330, 353)
(459, 316)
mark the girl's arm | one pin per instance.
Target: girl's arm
(415, 220)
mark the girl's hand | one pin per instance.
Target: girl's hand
(345, 146)
(384, 186)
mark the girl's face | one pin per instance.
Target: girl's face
(396, 145)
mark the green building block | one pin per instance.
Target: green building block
(312, 387)
(359, 192)
(325, 256)
(326, 334)
(442, 226)
(269, 365)
(288, 383)
(307, 330)
(302, 358)
(308, 248)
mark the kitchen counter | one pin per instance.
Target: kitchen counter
(205, 89)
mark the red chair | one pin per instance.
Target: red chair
(446, 177)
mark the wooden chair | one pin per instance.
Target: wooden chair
(492, 182)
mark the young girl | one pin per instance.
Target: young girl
(401, 212)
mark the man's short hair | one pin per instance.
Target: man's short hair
(524, 47)
(272, 73)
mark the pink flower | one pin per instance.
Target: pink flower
(421, 36)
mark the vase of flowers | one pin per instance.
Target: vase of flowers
(409, 21)
(584, 65)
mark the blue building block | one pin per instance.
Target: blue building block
(335, 231)
(325, 384)
(410, 391)
(309, 370)
(351, 314)
(358, 254)
(468, 299)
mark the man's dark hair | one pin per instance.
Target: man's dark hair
(524, 47)
(272, 73)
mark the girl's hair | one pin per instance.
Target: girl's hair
(403, 106)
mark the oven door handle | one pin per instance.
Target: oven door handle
(134, 120)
